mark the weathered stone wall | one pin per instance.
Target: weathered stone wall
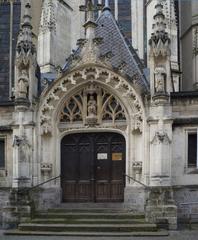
(4, 200)
(135, 198)
(186, 195)
(45, 198)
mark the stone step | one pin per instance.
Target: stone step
(90, 215)
(87, 221)
(88, 234)
(90, 210)
(88, 227)
(95, 205)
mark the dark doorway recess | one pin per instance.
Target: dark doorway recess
(92, 167)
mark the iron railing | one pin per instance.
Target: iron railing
(135, 180)
(27, 190)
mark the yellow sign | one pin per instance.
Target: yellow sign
(116, 156)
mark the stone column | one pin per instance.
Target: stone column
(137, 168)
(137, 12)
(160, 151)
(160, 206)
(116, 10)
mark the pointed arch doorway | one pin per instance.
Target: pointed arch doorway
(92, 167)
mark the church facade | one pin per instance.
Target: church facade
(114, 122)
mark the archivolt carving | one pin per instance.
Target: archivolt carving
(92, 74)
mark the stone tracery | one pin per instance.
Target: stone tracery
(93, 75)
(72, 111)
(93, 108)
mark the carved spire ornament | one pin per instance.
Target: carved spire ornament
(48, 20)
(90, 24)
(159, 41)
(89, 52)
(160, 58)
(25, 63)
(47, 37)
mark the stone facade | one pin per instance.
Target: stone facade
(100, 87)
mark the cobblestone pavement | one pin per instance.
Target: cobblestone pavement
(177, 235)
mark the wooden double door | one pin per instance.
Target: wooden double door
(92, 167)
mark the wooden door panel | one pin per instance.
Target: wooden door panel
(90, 168)
(76, 166)
(117, 191)
(103, 191)
(85, 161)
(69, 191)
(83, 191)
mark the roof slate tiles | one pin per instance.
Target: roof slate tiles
(124, 58)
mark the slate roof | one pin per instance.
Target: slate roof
(122, 51)
(123, 57)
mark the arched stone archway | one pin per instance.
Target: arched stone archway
(120, 87)
(66, 109)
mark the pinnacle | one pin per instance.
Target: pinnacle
(27, 16)
(106, 7)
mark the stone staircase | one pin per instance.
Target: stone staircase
(87, 222)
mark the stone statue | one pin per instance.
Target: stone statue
(23, 83)
(160, 80)
(92, 107)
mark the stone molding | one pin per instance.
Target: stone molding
(74, 80)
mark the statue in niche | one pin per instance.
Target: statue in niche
(23, 84)
(160, 75)
(92, 107)
(23, 147)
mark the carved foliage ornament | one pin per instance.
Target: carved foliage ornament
(107, 106)
(48, 20)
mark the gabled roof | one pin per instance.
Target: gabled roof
(124, 56)
(116, 51)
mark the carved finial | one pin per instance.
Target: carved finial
(27, 17)
(48, 18)
(159, 17)
(106, 7)
(90, 24)
(159, 41)
(90, 11)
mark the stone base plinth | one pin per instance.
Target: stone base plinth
(19, 206)
(160, 207)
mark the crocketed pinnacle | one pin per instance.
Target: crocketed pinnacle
(27, 17)
(159, 40)
(90, 24)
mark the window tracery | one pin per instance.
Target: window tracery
(79, 108)
(72, 110)
(112, 109)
